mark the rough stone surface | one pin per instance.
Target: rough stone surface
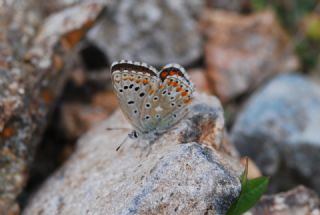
(298, 201)
(279, 129)
(232, 5)
(238, 64)
(77, 118)
(315, 73)
(154, 31)
(192, 177)
(199, 79)
(34, 60)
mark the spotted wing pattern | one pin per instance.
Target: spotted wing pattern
(152, 101)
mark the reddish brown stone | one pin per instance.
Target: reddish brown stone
(244, 51)
(199, 79)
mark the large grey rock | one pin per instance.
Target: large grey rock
(298, 201)
(183, 172)
(279, 129)
(153, 31)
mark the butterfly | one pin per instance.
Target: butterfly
(153, 101)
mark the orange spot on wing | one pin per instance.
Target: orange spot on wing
(184, 93)
(172, 72)
(164, 74)
(145, 81)
(187, 101)
(174, 84)
(161, 86)
(178, 89)
(151, 92)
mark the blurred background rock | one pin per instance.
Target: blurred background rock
(261, 58)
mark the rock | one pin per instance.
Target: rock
(156, 32)
(182, 172)
(14, 210)
(199, 79)
(33, 68)
(54, 6)
(299, 201)
(77, 118)
(238, 64)
(279, 129)
(315, 73)
(232, 5)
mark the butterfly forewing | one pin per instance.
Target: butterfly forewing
(132, 83)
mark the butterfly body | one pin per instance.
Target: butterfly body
(152, 101)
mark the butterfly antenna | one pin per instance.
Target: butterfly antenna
(124, 140)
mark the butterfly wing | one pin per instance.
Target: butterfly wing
(168, 104)
(152, 101)
(132, 82)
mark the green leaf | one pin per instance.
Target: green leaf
(251, 192)
(244, 175)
